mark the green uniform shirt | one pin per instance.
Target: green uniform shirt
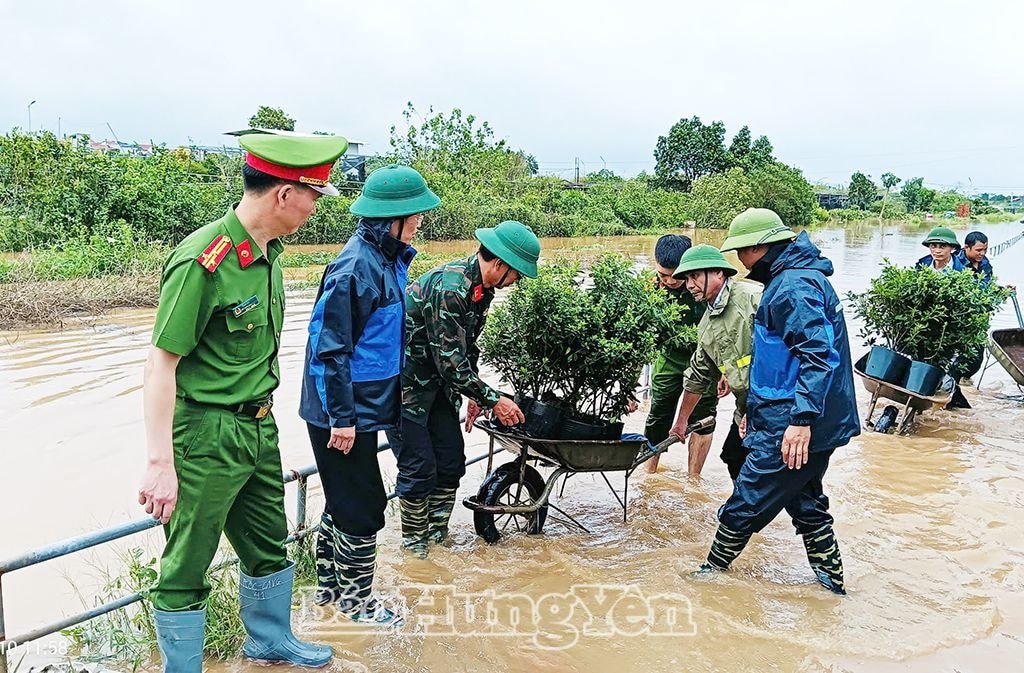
(725, 338)
(445, 310)
(678, 359)
(225, 323)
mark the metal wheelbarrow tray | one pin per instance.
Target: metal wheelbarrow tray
(912, 403)
(1007, 347)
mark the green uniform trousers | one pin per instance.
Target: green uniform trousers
(229, 480)
(666, 389)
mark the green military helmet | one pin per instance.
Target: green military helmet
(515, 244)
(703, 257)
(394, 191)
(756, 226)
(941, 235)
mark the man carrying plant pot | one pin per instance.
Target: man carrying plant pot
(445, 312)
(801, 404)
(942, 244)
(352, 385)
(725, 338)
(669, 367)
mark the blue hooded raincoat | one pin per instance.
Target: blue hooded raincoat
(356, 334)
(801, 373)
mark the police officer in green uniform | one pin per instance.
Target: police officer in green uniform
(667, 376)
(445, 312)
(213, 460)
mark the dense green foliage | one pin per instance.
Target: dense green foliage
(862, 191)
(267, 117)
(928, 316)
(587, 346)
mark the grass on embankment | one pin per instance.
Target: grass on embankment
(86, 277)
(127, 638)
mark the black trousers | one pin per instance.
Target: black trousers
(431, 456)
(766, 486)
(733, 452)
(352, 483)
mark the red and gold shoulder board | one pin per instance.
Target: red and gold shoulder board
(215, 253)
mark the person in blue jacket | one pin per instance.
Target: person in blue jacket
(801, 405)
(352, 384)
(942, 251)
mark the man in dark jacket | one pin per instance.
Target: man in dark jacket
(447, 308)
(801, 404)
(352, 386)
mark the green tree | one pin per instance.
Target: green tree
(862, 191)
(739, 148)
(719, 197)
(783, 189)
(690, 150)
(271, 118)
(889, 181)
(916, 195)
(761, 153)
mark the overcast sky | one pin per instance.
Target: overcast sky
(933, 89)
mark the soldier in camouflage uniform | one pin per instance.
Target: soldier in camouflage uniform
(669, 368)
(445, 313)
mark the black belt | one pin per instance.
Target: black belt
(256, 410)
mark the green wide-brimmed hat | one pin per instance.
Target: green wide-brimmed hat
(515, 244)
(703, 257)
(941, 235)
(756, 226)
(394, 191)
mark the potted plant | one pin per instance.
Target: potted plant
(929, 317)
(579, 343)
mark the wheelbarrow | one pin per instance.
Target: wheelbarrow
(908, 403)
(514, 497)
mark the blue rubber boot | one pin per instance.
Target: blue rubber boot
(266, 607)
(179, 635)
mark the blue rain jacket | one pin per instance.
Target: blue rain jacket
(956, 263)
(801, 373)
(984, 270)
(356, 334)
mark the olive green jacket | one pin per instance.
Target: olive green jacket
(725, 337)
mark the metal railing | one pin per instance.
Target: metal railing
(993, 251)
(89, 540)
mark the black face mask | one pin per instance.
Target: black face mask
(762, 270)
(391, 246)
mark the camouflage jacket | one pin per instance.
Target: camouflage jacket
(445, 310)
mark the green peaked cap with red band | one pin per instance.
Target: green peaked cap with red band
(306, 159)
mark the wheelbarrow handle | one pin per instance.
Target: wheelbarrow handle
(691, 428)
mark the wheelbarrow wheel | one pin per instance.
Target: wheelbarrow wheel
(502, 488)
(887, 419)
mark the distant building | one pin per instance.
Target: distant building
(832, 201)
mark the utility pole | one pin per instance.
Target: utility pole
(30, 116)
(577, 180)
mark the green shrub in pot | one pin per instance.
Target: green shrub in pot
(926, 315)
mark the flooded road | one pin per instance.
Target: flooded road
(931, 526)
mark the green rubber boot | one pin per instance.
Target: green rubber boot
(826, 562)
(439, 508)
(415, 525)
(726, 547)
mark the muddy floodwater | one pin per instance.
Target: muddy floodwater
(931, 525)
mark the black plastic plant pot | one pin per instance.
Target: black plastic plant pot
(922, 378)
(589, 427)
(887, 365)
(543, 421)
(524, 402)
